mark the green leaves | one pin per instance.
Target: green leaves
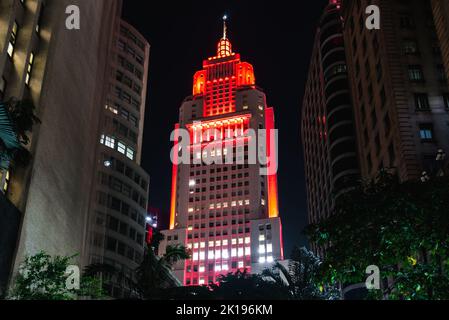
(42, 277)
(401, 227)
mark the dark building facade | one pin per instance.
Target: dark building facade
(327, 129)
(399, 86)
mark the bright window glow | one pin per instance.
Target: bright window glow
(261, 259)
(202, 256)
(246, 202)
(218, 267)
(210, 254)
(233, 204)
(261, 249)
(192, 183)
(225, 254)
(201, 281)
(247, 240)
(202, 245)
(240, 252)
(195, 256)
(211, 244)
(121, 147)
(217, 254)
(217, 243)
(130, 153)
(270, 259)
(262, 237)
(212, 206)
(262, 202)
(195, 245)
(240, 240)
(234, 241)
(269, 248)
(241, 264)
(233, 252)
(189, 246)
(225, 267)
(225, 242)
(225, 205)
(202, 269)
(240, 202)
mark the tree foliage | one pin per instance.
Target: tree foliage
(301, 277)
(42, 277)
(402, 228)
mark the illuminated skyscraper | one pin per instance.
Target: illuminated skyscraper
(226, 212)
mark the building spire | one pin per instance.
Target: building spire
(225, 27)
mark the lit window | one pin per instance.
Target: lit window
(426, 132)
(247, 240)
(121, 147)
(202, 256)
(247, 251)
(110, 142)
(225, 205)
(240, 240)
(202, 245)
(212, 206)
(202, 269)
(217, 243)
(211, 244)
(262, 202)
(261, 249)
(246, 202)
(190, 209)
(225, 254)
(217, 254)
(192, 183)
(262, 237)
(233, 252)
(195, 256)
(190, 228)
(189, 246)
(198, 155)
(262, 260)
(13, 39)
(218, 267)
(269, 248)
(6, 179)
(210, 254)
(270, 259)
(240, 202)
(29, 68)
(241, 264)
(225, 267)
(130, 153)
(240, 252)
(225, 242)
(201, 282)
(234, 241)
(218, 205)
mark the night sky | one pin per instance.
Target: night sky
(276, 37)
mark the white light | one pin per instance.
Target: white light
(269, 248)
(192, 183)
(262, 237)
(148, 219)
(261, 259)
(201, 282)
(241, 264)
(108, 163)
(270, 259)
(202, 269)
(247, 240)
(262, 249)
(225, 17)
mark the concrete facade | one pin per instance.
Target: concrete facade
(398, 85)
(52, 193)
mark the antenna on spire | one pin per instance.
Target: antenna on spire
(225, 27)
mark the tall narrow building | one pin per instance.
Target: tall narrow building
(399, 86)
(327, 128)
(118, 208)
(225, 212)
(43, 204)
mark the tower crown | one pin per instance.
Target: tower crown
(224, 45)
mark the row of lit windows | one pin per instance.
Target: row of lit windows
(121, 147)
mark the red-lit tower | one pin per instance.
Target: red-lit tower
(226, 213)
